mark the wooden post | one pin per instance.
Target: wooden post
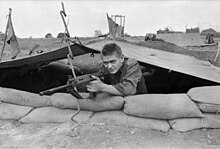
(217, 54)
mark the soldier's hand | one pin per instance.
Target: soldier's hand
(96, 85)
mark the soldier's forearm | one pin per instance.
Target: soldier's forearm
(111, 90)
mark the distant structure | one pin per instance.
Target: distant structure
(98, 33)
(48, 35)
(205, 31)
(61, 35)
(167, 31)
(210, 30)
(210, 38)
(116, 29)
(150, 36)
(193, 30)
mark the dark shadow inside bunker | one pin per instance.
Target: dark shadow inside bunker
(158, 80)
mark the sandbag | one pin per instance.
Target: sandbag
(188, 124)
(206, 94)
(102, 102)
(119, 118)
(161, 106)
(209, 108)
(54, 115)
(24, 98)
(13, 112)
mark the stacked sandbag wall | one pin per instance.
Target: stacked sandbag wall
(163, 107)
(208, 101)
(29, 107)
(181, 112)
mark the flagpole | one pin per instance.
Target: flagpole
(6, 31)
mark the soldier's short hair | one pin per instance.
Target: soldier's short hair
(110, 49)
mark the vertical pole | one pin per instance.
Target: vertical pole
(121, 26)
(124, 25)
(70, 55)
(217, 54)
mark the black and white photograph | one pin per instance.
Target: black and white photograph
(109, 74)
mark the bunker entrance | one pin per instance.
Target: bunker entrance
(163, 81)
(158, 80)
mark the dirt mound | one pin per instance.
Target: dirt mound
(183, 39)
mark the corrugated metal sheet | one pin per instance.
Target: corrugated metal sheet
(47, 57)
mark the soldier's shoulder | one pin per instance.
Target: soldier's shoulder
(131, 61)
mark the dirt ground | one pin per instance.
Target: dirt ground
(69, 135)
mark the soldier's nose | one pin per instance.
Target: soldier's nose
(109, 65)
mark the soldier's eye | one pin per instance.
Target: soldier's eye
(105, 63)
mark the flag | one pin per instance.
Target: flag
(112, 27)
(11, 38)
(115, 30)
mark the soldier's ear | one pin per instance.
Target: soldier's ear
(122, 58)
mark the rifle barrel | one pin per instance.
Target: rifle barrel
(53, 90)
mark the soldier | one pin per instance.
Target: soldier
(123, 76)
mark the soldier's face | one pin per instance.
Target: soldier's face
(113, 62)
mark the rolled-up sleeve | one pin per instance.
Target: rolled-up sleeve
(132, 76)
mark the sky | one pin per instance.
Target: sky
(36, 18)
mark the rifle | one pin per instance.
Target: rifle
(72, 83)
